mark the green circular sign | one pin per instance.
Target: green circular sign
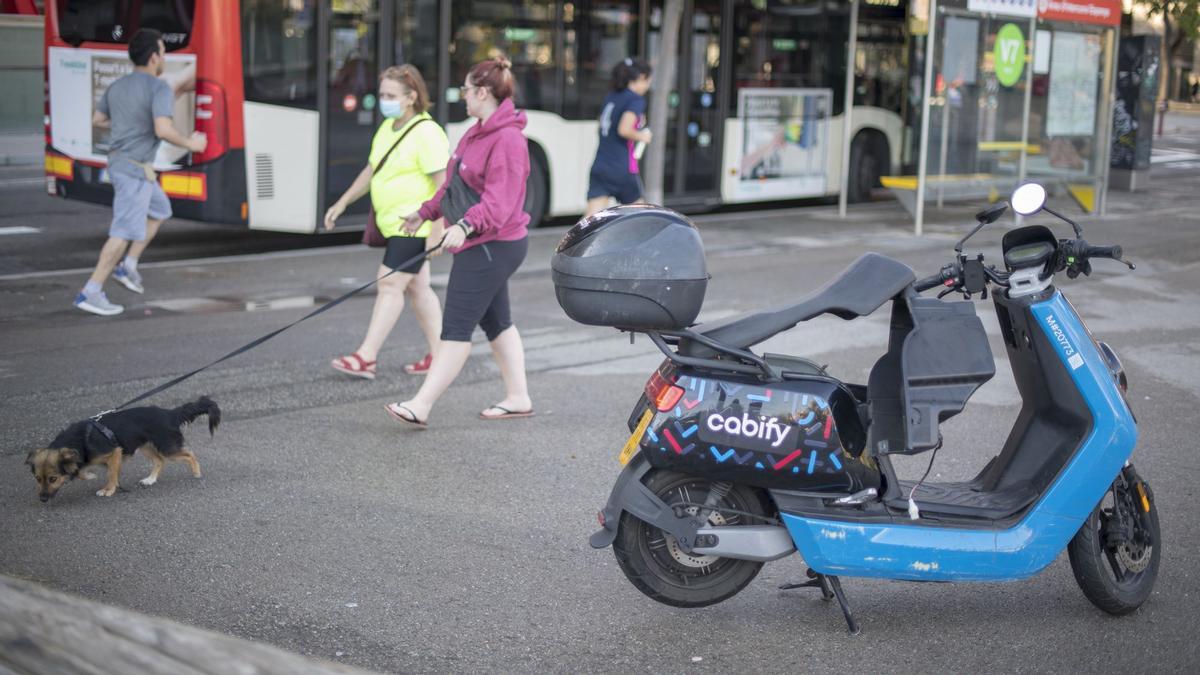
(1009, 53)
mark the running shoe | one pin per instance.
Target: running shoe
(97, 303)
(131, 279)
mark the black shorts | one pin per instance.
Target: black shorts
(477, 293)
(625, 187)
(400, 249)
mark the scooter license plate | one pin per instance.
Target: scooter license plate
(635, 438)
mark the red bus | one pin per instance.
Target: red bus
(285, 91)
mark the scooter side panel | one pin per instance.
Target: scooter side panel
(927, 553)
(799, 434)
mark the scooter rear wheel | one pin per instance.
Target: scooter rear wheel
(1116, 553)
(656, 564)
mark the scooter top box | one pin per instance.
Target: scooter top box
(635, 267)
(801, 434)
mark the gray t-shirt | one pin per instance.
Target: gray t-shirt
(132, 103)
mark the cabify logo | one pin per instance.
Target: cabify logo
(762, 427)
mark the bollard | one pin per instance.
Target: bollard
(1162, 115)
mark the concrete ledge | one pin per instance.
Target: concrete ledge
(43, 631)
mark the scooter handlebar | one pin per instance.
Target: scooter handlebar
(1113, 252)
(947, 273)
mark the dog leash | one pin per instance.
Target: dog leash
(420, 257)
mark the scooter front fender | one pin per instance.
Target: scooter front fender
(631, 495)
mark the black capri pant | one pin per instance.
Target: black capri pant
(477, 293)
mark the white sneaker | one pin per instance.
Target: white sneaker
(130, 279)
(97, 303)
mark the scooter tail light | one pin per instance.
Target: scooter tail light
(664, 393)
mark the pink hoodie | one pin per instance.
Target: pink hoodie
(493, 159)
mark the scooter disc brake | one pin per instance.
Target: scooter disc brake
(693, 560)
(1134, 558)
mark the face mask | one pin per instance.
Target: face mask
(389, 108)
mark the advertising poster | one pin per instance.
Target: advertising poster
(1074, 84)
(784, 137)
(78, 79)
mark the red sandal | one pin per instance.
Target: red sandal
(419, 367)
(355, 366)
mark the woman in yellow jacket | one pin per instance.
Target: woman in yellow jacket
(400, 179)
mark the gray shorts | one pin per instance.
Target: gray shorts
(134, 200)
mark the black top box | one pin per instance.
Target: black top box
(635, 267)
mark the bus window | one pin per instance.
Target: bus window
(597, 35)
(279, 52)
(524, 32)
(114, 21)
(796, 43)
(418, 42)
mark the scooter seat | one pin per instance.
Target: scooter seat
(857, 291)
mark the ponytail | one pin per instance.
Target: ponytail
(627, 70)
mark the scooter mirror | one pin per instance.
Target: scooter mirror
(1028, 199)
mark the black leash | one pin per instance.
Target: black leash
(254, 343)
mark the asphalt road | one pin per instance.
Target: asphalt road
(322, 527)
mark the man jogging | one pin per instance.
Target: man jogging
(138, 107)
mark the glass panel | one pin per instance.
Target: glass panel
(524, 32)
(114, 21)
(702, 127)
(353, 73)
(879, 68)
(790, 43)
(1065, 105)
(279, 52)
(417, 41)
(597, 35)
(693, 110)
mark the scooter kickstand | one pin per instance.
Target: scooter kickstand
(831, 587)
(851, 624)
(815, 580)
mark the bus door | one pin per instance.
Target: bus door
(694, 130)
(310, 80)
(350, 52)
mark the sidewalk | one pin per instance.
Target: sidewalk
(21, 149)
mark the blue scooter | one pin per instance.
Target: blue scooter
(738, 458)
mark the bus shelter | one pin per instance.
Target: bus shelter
(1007, 91)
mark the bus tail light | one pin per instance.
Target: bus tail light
(59, 166)
(212, 120)
(184, 185)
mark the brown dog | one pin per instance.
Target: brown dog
(153, 430)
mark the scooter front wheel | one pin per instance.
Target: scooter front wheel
(659, 567)
(1115, 555)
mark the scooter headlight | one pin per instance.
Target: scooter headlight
(1118, 373)
(1115, 367)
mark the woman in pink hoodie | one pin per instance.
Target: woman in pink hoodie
(489, 242)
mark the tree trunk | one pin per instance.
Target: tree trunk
(664, 79)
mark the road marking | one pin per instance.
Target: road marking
(19, 229)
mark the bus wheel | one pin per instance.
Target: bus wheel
(866, 166)
(537, 190)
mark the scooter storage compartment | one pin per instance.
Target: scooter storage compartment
(633, 267)
(802, 434)
(946, 357)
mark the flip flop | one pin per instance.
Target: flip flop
(508, 414)
(398, 413)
